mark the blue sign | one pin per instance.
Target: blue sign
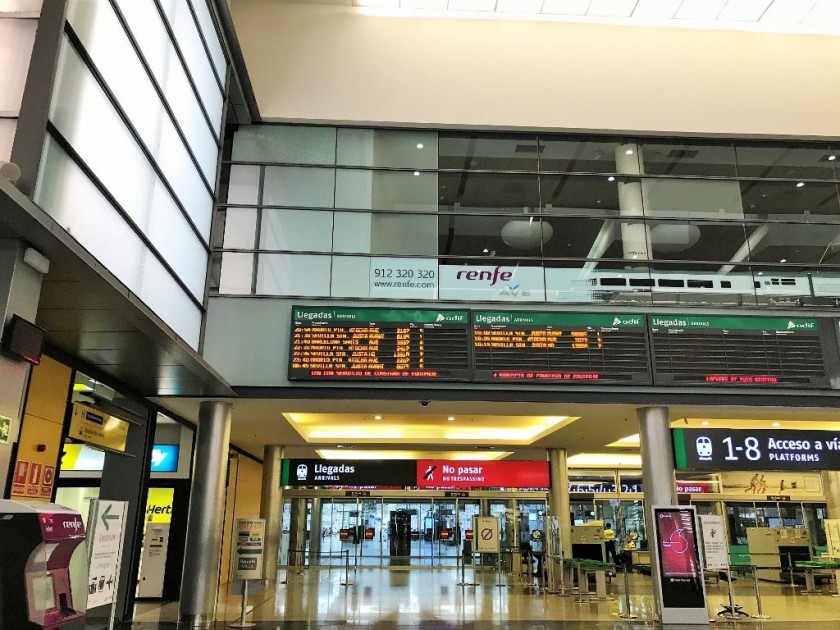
(165, 457)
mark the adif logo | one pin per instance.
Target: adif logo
(792, 325)
(302, 472)
(440, 317)
(616, 322)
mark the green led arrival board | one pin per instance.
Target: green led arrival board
(519, 346)
(737, 351)
(379, 344)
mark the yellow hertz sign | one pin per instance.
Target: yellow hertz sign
(96, 427)
(159, 505)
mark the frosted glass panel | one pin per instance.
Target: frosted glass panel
(382, 190)
(186, 181)
(149, 31)
(291, 274)
(169, 302)
(351, 276)
(7, 137)
(296, 230)
(208, 28)
(352, 232)
(240, 228)
(384, 147)
(172, 236)
(244, 186)
(237, 273)
(83, 114)
(198, 64)
(299, 187)
(283, 143)
(67, 195)
(16, 39)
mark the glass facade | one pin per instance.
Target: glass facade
(407, 214)
(133, 145)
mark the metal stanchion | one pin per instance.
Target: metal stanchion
(463, 581)
(551, 577)
(346, 581)
(627, 614)
(760, 614)
(243, 623)
(790, 570)
(500, 583)
(583, 586)
(732, 612)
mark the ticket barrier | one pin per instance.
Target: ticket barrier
(36, 544)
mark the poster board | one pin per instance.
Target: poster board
(249, 550)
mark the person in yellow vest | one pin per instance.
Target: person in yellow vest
(609, 542)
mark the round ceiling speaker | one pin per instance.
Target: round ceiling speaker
(526, 233)
(672, 238)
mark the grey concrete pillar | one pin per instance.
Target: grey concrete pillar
(558, 497)
(205, 523)
(315, 533)
(831, 490)
(271, 507)
(657, 474)
(635, 237)
(297, 533)
(20, 290)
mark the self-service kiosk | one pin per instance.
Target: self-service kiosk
(36, 544)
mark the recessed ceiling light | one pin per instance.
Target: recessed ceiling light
(800, 184)
(339, 445)
(760, 273)
(419, 145)
(777, 424)
(783, 260)
(377, 417)
(705, 423)
(416, 173)
(485, 251)
(831, 158)
(629, 152)
(610, 178)
(451, 418)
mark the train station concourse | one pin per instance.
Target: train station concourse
(425, 313)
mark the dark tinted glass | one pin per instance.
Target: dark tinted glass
(490, 236)
(581, 156)
(688, 159)
(487, 152)
(784, 161)
(795, 244)
(488, 192)
(569, 194)
(790, 200)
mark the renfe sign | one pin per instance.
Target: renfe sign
(434, 473)
(745, 449)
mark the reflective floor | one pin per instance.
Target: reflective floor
(433, 598)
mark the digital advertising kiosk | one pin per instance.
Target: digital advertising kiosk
(36, 544)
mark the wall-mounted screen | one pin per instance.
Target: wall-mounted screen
(379, 344)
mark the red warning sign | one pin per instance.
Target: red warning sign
(19, 481)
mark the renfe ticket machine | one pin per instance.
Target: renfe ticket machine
(36, 544)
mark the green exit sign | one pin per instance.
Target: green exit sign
(5, 429)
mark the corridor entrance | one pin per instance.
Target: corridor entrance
(417, 529)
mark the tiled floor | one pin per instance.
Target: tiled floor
(433, 598)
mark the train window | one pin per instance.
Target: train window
(725, 284)
(671, 283)
(613, 282)
(701, 284)
(641, 282)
